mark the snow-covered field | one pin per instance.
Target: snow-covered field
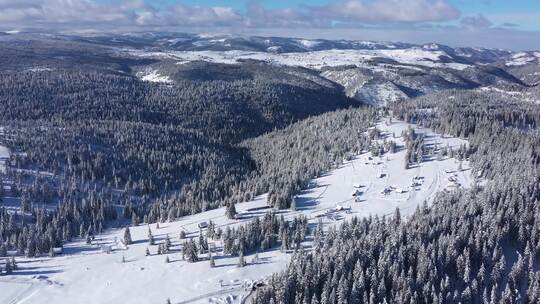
(314, 59)
(154, 76)
(84, 274)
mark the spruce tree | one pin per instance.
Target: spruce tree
(9, 267)
(212, 261)
(241, 260)
(127, 237)
(231, 211)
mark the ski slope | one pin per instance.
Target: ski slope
(85, 274)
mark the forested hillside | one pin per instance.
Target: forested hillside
(108, 131)
(94, 142)
(477, 246)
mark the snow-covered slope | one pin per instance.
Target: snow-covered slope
(523, 58)
(84, 274)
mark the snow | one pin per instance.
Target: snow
(4, 154)
(379, 93)
(309, 43)
(84, 274)
(154, 76)
(313, 59)
(362, 171)
(177, 40)
(523, 58)
(39, 69)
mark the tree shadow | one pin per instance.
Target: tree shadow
(24, 272)
(305, 203)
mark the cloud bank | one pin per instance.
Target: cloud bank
(137, 13)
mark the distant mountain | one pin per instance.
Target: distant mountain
(219, 42)
(524, 65)
(372, 72)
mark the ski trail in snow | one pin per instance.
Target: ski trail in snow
(24, 295)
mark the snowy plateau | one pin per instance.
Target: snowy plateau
(312, 59)
(127, 275)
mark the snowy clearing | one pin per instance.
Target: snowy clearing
(154, 76)
(380, 184)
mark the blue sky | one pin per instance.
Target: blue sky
(523, 13)
(484, 23)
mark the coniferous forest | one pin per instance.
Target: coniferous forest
(473, 246)
(92, 150)
(95, 145)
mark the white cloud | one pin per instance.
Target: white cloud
(72, 12)
(128, 12)
(476, 22)
(135, 12)
(258, 16)
(384, 11)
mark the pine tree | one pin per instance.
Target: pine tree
(167, 242)
(212, 261)
(134, 220)
(3, 250)
(127, 237)
(9, 267)
(255, 259)
(241, 260)
(190, 251)
(231, 211)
